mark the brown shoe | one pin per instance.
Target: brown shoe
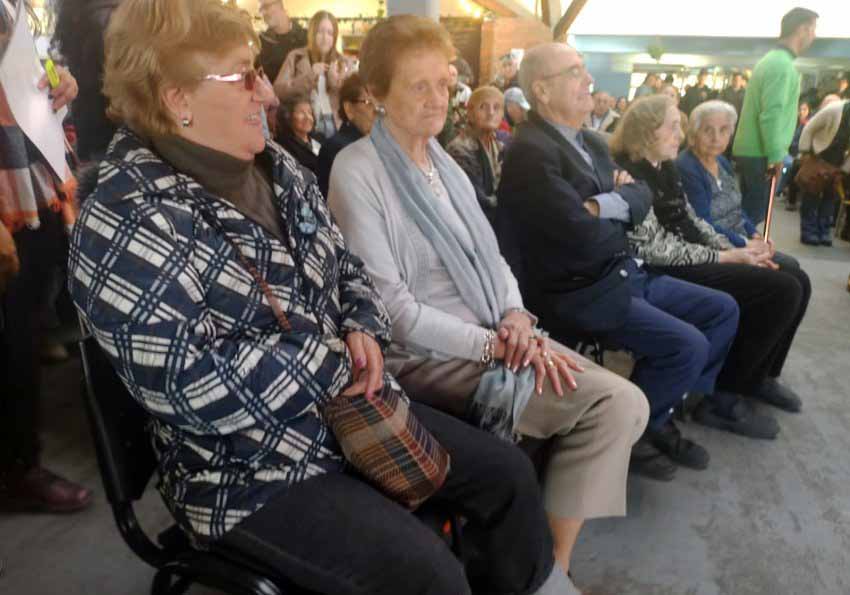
(40, 490)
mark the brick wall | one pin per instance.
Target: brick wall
(503, 34)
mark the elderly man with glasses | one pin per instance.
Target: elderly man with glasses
(569, 207)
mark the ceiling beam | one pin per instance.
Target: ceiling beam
(551, 11)
(562, 28)
(506, 8)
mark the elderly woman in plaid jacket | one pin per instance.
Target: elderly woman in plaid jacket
(194, 224)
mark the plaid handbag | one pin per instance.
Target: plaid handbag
(378, 435)
(385, 442)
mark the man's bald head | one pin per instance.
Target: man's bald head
(537, 63)
(556, 83)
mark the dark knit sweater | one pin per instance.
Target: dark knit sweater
(243, 183)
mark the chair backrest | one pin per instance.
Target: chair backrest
(125, 455)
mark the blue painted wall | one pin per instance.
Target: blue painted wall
(605, 78)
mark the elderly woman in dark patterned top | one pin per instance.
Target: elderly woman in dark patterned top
(196, 231)
(676, 242)
(477, 149)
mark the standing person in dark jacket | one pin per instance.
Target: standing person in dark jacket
(80, 27)
(281, 37)
(357, 110)
(734, 94)
(697, 94)
(570, 208)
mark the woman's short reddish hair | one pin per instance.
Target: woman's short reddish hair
(151, 44)
(390, 39)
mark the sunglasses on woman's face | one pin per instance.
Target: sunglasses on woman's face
(248, 77)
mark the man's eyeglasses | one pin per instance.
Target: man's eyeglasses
(574, 72)
(248, 77)
(366, 102)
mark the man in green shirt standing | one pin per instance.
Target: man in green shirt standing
(769, 116)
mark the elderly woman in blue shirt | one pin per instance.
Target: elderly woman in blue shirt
(712, 188)
(708, 176)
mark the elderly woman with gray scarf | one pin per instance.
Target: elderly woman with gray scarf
(461, 339)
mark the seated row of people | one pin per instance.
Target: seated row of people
(198, 231)
(197, 227)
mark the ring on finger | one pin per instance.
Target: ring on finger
(550, 363)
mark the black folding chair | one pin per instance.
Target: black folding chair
(127, 462)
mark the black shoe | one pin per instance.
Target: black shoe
(680, 450)
(778, 395)
(648, 461)
(826, 242)
(742, 419)
(810, 241)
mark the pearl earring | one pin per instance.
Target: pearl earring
(186, 121)
(381, 110)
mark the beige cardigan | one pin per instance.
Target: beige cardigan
(820, 131)
(297, 74)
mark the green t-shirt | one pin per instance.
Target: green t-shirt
(769, 116)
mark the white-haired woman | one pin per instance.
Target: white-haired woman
(712, 188)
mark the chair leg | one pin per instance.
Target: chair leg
(181, 585)
(161, 583)
(457, 538)
(166, 583)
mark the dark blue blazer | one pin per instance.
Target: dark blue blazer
(571, 264)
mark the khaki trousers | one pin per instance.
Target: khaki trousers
(590, 432)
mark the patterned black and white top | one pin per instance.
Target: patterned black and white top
(672, 234)
(234, 401)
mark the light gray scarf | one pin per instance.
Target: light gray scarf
(475, 269)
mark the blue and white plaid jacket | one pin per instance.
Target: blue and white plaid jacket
(233, 399)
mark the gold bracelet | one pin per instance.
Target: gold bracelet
(487, 354)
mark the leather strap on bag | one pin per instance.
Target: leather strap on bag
(275, 304)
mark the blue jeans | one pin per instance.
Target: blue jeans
(755, 186)
(816, 217)
(680, 334)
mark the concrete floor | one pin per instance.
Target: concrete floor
(765, 518)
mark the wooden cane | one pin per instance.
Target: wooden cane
(769, 217)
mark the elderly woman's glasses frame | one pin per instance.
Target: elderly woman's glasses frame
(248, 77)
